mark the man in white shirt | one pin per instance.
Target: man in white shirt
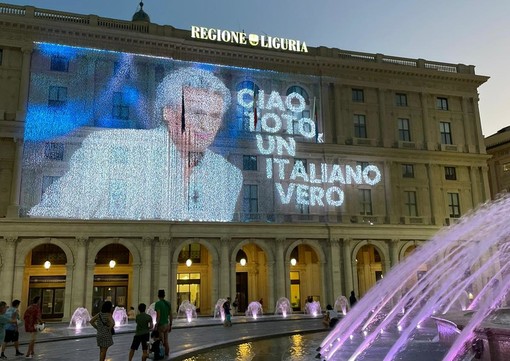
(163, 173)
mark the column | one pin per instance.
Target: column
(13, 208)
(428, 142)
(394, 250)
(145, 269)
(215, 295)
(335, 270)
(475, 193)
(7, 274)
(480, 142)
(25, 78)
(384, 130)
(390, 186)
(68, 292)
(347, 266)
(172, 284)
(79, 285)
(164, 264)
(435, 218)
(468, 127)
(136, 296)
(270, 302)
(280, 275)
(226, 274)
(89, 285)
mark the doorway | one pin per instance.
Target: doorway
(242, 291)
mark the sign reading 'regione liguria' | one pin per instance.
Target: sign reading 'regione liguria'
(113, 135)
(240, 37)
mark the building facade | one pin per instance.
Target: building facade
(340, 161)
(497, 146)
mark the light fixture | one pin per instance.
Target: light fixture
(243, 262)
(294, 256)
(112, 263)
(47, 264)
(241, 258)
(189, 262)
(293, 262)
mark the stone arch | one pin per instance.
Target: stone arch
(258, 242)
(133, 247)
(25, 247)
(379, 245)
(204, 242)
(314, 244)
(405, 247)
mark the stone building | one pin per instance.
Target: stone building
(347, 162)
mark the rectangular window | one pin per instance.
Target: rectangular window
(446, 133)
(57, 96)
(404, 133)
(120, 106)
(365, 202)
(360, 126)
(442, 103)
(407, 170)
(401, 100)
(59, 63)
(450, 173)
(358, 95)
(249, 162)
(454, 205)
(54, 151)
(410, 203)
(250, 199)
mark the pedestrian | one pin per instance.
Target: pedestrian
(131, 314)
(163, 319)
(352, 299)
(228, 316)
(144, 326)
(11, 329)
(157, 349)
(4, 321)
(103, 323)
(330, 317)
(31, 318)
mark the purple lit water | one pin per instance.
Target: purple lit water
(468, 258)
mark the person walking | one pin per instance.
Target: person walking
(32, 317)
(163, 319)
(228, 316)
(103, 323)
(11, 329)
(144, 326)
(4, 321)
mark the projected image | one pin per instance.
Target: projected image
(112, 135)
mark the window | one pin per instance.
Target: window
(243, 115)
(506, 167)
(57, 96)
(304, 114)
(121, 69)
(407, 170)
(250, 199)
(358, 95)
(401, 100)
(410, 203)
(442, 103)
(404, 133)
(450, 173)
(46, 182)
(365, 201)
(446, 134)
(454, 205)
(59, 63)
(54, 151)
(360, 126)
(120, 106)
(249, 162)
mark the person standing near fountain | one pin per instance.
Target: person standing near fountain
(11, 329)
(142, 334)
(103, 323)
(352, 299)
(163, 319)
(228, 316)
(32, 317)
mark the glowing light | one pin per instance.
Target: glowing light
(365, 333)
(243, 262)
(112, 263)
(189, 262)
(47, 264)
(293, 261)
(399, 327)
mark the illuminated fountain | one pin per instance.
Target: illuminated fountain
(152, 312)
(470, 259)
(283, 307)
(188, 309)
(80, 318)
(218, 309)
(254, 309)
(341, 304)
(120, 316)
(313, 308)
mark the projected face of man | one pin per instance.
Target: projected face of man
(203, 110)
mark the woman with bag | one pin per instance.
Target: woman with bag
(103, 323)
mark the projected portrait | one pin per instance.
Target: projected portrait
(166, 172)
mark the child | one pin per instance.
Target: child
(157, 351)
(143, 327)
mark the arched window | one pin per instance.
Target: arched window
(298, 115)
(243, 114)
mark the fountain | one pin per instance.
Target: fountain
(218, 309)
(471, 257)
(283, 306)
(152, 312)
(120, 316)
(80, 318)
(341, 304)
(188, 309)
(254, 309)
(313, 308)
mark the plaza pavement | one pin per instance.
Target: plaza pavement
(59, 342)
